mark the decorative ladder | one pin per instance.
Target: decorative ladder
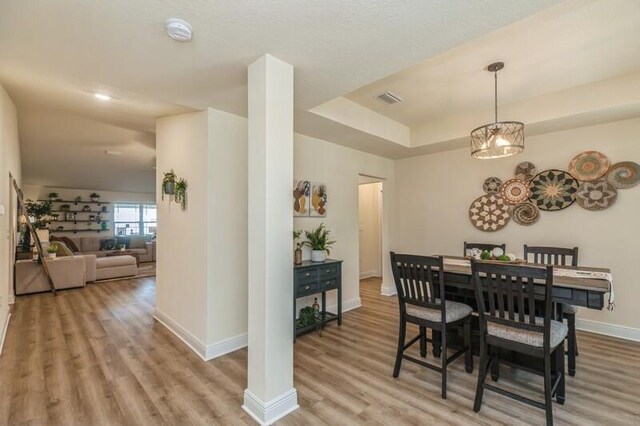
(41, 259)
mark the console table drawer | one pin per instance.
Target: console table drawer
(326, 272)
(328, 284)
(306, 275)
(306, 289)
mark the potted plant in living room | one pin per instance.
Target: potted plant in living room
(168, 183)
(39, 212)
(94, 197)
(53, 196)
(52, 250)
(318, 240)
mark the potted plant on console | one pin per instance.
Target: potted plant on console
(319, 241)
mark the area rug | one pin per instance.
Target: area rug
(147, 269)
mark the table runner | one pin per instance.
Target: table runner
(558, 271)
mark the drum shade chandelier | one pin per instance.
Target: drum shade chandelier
(500, 138)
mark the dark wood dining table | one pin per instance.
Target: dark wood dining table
(580, 291)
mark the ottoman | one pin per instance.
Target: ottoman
(115, 267)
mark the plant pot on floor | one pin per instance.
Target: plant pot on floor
(318, 255)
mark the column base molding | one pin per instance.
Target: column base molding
(266, 413)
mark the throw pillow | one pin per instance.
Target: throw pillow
(63, 250)
(123, 240)
(108, 244)
(138, 242)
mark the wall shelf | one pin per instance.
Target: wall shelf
(77, 202)
(79, 211)
(53, 231)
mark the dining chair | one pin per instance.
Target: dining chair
(508, 322)
(560, 257)
(482, 246)
(420, 285)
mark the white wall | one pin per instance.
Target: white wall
(39, 192)
(369, 198)
(9, 163)
(434, 193)
(201, 273)
(338, 167)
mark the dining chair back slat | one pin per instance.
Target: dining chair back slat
(558, 256)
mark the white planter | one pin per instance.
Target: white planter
(52, 255)
(318, 255)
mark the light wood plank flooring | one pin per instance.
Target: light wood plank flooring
(95, 356)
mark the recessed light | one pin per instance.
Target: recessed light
(178, 29)
(102, 96)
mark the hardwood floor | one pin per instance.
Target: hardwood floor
(95, 356)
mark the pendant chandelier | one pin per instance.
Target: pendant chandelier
(500, 138)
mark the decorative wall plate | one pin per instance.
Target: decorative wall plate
(492, 185)
(525, 214)
(589, 165)
(553, 190)
(624, 175)
(489, 213)
(596, 195)
(526, 171)
(515, 191)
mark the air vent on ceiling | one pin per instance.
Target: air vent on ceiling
(389, 98)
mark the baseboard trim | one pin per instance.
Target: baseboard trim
(226, 346)
(369, 274)
(387, 291)
(205, 352)
(11, 299)
(266, 413)
(611, 330)
(4, 331)
(346, 306)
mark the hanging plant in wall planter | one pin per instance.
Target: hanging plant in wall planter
(168, 184)
(181, 193)
(319, 241)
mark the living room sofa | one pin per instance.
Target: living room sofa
(137, 243)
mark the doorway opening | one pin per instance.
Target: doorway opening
(370, 203)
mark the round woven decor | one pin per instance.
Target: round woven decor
(489, 213)
(526, 171)
(553, 190)
(596, 195)
(589, 165)
(515, 191)
(525, 214)
(624, 175)
(492, 185)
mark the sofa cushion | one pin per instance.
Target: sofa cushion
(90, 244)
(114, 261)
(137, 242)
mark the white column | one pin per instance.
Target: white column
(270, 394)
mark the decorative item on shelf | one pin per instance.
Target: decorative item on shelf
(526, 171)
(53, 196)
(181, 193)
(318, 200)
(316, 305)
(98, 218)
(489, 213)
(500, 138)
(308, 317)
(318, 240)
(55, 217)
(525, 214)
(69, 216)
(60, 228)
(624, 175)
(596, 195)
(78, 199)
(297, 254)
(168, 184)
(553, 190)
(39, 212)
(301, 193)
(92, 218)
(86, 208)
(588, 166)
(492, 185)
(515, 191)
(94, 197)
(65, 207)
(52, 250)
(103, 226)
(104, 209)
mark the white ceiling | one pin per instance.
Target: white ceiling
(53, 54)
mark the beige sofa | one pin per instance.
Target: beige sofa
(137, 243)
(71, 271)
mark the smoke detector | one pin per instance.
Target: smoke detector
(389, 98)
(178, 29)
